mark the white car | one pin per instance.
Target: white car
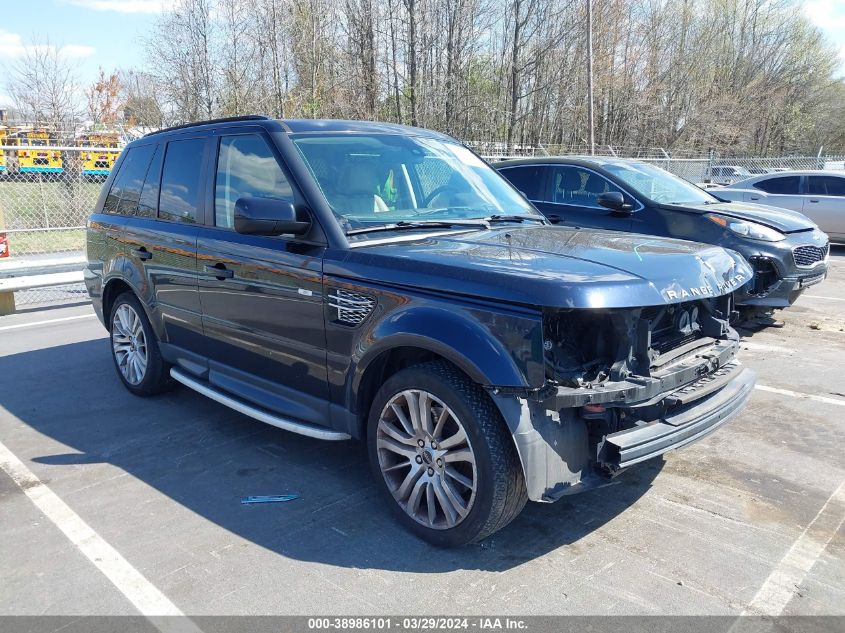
(727, 174)
(820, 195)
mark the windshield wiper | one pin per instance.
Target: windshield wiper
(420, 224)
(513, 218)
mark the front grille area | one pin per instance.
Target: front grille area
(674, 326)
(809, 254)
(591, 347)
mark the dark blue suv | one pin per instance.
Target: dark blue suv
(361, 280)
(786, 249)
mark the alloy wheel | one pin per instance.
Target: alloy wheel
(426, 458)
(129, 344)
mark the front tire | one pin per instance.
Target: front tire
(135, 350)
(443, 455)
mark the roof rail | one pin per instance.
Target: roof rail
(228, 119)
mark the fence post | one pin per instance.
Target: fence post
(710, 165)
(7, 299)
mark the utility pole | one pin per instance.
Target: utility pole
(590, 77)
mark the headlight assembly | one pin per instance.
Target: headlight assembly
(744, 228)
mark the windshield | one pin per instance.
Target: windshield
(372, 180)
(659, 185)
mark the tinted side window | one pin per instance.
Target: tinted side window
(579, 187)
(180, 180)
(126, 188)
(827, 185)
(527, 179)
(784, 185)
(148, 203)
(246, 168)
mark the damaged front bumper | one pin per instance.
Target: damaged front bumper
(682, 426)
(782, 271)
(575, 439)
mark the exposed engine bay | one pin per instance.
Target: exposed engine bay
(591, 348)
(627, 385)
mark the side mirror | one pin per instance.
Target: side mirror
(268, 216)
(615, 201)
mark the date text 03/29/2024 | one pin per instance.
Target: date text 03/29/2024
(417, 623)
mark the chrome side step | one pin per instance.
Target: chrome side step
(254, 412)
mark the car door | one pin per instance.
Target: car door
(261, 296)
(106, 237)
(781, 191)
(571, 193)
(162, 239)
(825, 203)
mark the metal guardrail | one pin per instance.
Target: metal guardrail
(40, 279)
(42, 220)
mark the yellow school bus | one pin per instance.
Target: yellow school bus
(99, 163)
(33, 155)
(6, 138)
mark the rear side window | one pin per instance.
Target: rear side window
(246, 168)
(125, 191)
(180, 180)
(789, 185)
(527, 179)
(827, 186)
(148, 202)
(578, 187)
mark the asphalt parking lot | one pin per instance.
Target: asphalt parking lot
(748, 520)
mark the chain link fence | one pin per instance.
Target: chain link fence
(707, 168)
(46, 195)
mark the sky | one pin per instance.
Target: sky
(829, 16)
(91, 33)
(108, 34)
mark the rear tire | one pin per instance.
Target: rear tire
(450, 472)
(135, 350)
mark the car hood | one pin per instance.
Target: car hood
(548, 266)
(784, 220)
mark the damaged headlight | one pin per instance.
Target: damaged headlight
(747, 229)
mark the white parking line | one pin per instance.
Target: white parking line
(762, 347)
(798, 394)
(128, 580)
(47, 322)
(823, 297)
(776, 592)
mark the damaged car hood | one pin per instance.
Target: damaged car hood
(783, 220)
(549, 266)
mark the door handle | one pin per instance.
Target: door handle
(813, 200)
(754, 198)
(220, 271)
(142, 253)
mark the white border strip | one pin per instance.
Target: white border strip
(798, 394)
(128, 580)
(823, 297)
(18, 326)
(778, 589)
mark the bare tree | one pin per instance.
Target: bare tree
(750, 75)
(144, 99)
(43, 84)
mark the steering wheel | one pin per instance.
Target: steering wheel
(436, 192)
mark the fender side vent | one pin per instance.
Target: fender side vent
(352, 307)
